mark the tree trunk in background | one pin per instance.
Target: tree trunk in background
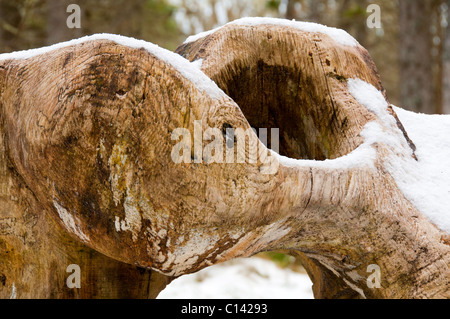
(315, 12)
(439, 64)
(416, 67)
(56, 21)
(290, 10)
(2, 20)
(9, 22)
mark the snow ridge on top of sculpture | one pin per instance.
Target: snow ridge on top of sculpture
(86, 147)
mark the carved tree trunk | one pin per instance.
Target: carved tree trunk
(88, 175)
(298, 81)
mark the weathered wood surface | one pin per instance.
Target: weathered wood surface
(88, 178)
(297, 81)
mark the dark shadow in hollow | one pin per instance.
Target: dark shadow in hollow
(272, 96)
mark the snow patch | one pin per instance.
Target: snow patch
(425, 182)
(338, 35)
(371, 98)
(190, 72)
(365, 154)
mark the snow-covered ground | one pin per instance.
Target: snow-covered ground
(339, 35)
(249, 278)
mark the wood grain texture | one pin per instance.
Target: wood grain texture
(297, 81)
(89, 178)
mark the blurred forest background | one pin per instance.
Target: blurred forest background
(411, 48)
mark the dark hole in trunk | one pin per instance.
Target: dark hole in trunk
(273, 96)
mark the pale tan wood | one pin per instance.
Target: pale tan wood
(282, 77)
(89, 178)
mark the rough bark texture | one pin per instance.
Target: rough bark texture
(89, 178)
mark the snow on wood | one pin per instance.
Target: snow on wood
(338, 35)
(349, 211)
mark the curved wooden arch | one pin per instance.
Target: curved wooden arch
(89, 176)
